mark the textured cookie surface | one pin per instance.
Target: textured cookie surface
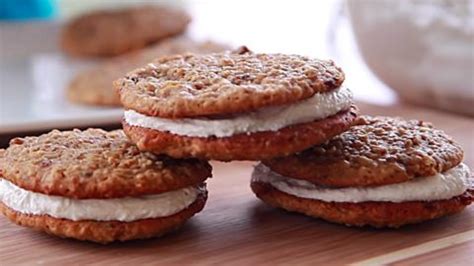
(94, 164)
(224, 83)
(110, 33)
(94, 86)
(107, 231)
(376, 214)
(379, 151)
(254, 146)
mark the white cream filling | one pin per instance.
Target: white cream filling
(446, 185)
(320, 106)
(118, 209)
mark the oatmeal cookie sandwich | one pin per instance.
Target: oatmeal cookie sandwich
(95, 185)
(385, 172)
(234, 106)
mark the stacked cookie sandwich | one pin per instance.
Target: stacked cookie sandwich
(384, 172)
(234, 106)
(95, 185)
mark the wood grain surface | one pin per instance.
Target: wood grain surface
(237, 229)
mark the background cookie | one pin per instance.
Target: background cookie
(94, 86)
(110, 33)
(378, 151)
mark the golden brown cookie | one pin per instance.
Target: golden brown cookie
(376, 214)
(234, 105)
(185, 86)
(94, 86)
(105, 232)
(95, 185)
(114, 32)
(94, 164)
(256, 146)
(378, 151)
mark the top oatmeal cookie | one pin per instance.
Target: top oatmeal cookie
(114, 32)
(94, 164)
(378, 151)
(224, 83)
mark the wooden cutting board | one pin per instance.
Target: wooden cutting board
(236, 228)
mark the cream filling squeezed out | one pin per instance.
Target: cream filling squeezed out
(320, 106)
(117, 209)
(446, 185)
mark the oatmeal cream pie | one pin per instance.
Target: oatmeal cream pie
(97, 186)
(234, 106)
(94, 86)
(384, 172)
(114, 32)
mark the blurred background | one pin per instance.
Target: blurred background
(394, 53)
